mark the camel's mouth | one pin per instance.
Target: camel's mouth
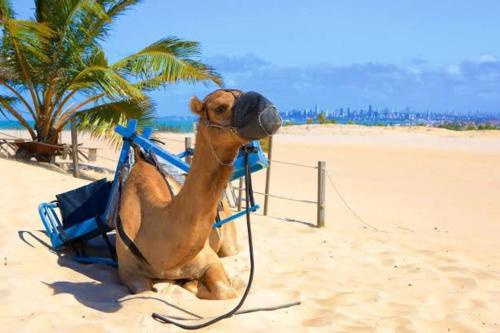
(255, 117)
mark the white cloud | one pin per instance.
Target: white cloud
(487, 58)
(454, 70)
(467, 86)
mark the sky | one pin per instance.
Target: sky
(440, 56)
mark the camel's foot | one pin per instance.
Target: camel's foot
(213, 285)
(237, 283)
(136, 283)
(163, 286)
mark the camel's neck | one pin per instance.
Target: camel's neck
(183, 226)
(206, 180)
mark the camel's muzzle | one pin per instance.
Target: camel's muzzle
(254, 116)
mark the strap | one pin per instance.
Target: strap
(163, 173)
(128, 242)
(121, 232)
(104, 233)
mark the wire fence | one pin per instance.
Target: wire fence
(294, 164)
(68, 150)
(320, 202)
(9, 135)
(278, 196)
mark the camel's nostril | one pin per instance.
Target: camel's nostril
(270, 120)
(264, 122)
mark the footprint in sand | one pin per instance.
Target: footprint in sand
(462, 282)
(347, 298)
(453, 269)
(323, 318)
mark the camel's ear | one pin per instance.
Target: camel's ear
(196, 105)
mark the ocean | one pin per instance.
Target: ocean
(171, 125)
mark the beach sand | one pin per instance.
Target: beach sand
(416, 251)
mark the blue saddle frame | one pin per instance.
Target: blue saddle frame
(88, 229)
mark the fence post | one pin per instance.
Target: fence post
(321, 194)
(74, 147)
(268, 174)
(240, 192)
(188, 145)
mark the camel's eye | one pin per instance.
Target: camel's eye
(220, 109)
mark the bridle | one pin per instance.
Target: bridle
(205, 119)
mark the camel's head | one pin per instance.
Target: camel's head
(229, 115)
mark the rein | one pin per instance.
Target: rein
(249, 201)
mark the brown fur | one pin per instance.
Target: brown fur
(173, 233)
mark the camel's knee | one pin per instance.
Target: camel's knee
(228, 249)
(135, 283)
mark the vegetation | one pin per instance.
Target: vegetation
(322, 119)
(53, 68)
(468, 126)
(309, 121)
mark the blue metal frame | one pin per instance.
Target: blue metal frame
(89, 228)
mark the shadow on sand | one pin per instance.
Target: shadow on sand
(104, 293)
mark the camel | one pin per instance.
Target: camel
(175, 234)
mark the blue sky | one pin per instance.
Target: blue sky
(428, 55)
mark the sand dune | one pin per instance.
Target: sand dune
(422, 255)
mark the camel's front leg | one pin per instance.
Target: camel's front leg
(211, 280)
(131, 275)
(215, 284)
(135, 283)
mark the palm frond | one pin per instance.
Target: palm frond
(166, 61)
(6, 11)
(101, 120)
(7, 104)
(6, 100)
(32, 37)
(117, 8)
(10, 100)
(112, 84)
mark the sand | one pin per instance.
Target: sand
(422, 255)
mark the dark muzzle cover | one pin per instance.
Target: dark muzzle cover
(255, 117)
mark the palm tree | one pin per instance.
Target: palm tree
(53, 68)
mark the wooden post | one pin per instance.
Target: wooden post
(188, 145)
(268, 174)
(74, 147)
(321, 194)
(240, 192)
(92, 154)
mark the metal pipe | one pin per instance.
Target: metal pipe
(268, 175)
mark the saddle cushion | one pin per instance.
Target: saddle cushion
(84, 202)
